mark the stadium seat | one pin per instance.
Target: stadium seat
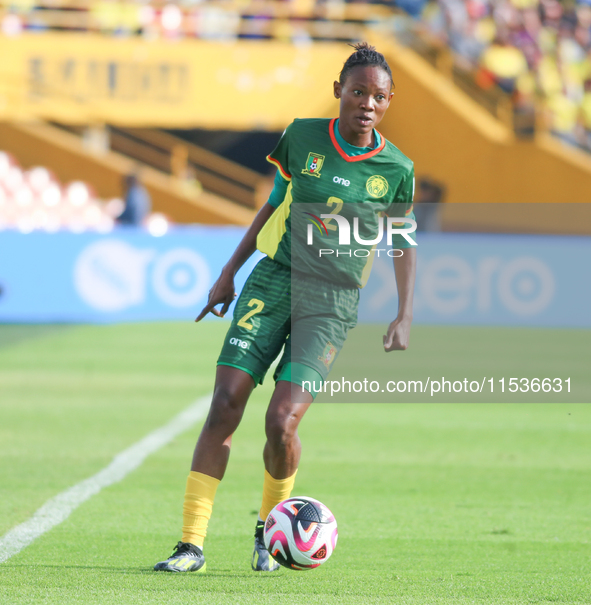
(35, 200)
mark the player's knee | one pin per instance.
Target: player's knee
(281, 429)
(227, 407)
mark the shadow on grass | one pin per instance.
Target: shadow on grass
(146, 571)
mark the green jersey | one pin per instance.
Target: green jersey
(336, 207)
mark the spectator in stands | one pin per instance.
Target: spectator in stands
(505, 62)
(528, 48)
(413, 7)
(137, 201)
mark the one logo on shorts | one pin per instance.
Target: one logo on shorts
(328, 354)
(313, 164)
(377, 186)
(237, 342)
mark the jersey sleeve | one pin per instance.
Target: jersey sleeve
(279, 190)
(403, 207)
(279, 157)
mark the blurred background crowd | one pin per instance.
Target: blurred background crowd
(531, 49)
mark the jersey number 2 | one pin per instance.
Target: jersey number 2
(258, 307)
(339, 204)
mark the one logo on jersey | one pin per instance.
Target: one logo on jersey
(328, 354)
(313, 164)
(339, 180)
(377, 186)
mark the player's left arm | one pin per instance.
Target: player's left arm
(398, 335)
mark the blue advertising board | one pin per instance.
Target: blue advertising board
(129, 275)
(490, 279)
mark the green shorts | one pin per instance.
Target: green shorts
(279, 308)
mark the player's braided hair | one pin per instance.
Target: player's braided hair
(364, 55)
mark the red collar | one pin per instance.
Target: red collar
(353, 158)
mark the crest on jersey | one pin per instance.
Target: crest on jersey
(313, 164)
(377, 186)
(328, 354)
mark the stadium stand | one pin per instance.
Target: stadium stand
(195, 167)
(35, 199)
(70, 160)
(536, 52)
(298, 20)
(132, 81)
(479, 158)
(527, 61)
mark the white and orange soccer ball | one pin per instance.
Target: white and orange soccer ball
(300, 533)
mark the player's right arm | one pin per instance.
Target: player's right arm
(223, 291)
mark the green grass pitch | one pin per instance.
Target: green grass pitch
(441, 503)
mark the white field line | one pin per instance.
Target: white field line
(59, 508)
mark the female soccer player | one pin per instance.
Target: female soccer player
(303, 295)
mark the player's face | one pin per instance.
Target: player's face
(364, 96)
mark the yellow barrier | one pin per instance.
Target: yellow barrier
(80, 79)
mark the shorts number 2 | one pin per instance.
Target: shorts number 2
(258, 307)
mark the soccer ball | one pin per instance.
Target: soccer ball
(300, 533)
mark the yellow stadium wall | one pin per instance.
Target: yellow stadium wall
(89, 78)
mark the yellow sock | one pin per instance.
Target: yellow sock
(199, 497)
(274, 491)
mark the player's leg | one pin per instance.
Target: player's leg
(231, 392)
(255, 338)
(210, 459)
(283, 448)
(321, 318)
(281, 454)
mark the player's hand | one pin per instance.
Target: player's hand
(398, 335)
(221, 292)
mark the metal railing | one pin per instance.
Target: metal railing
(186, 161)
